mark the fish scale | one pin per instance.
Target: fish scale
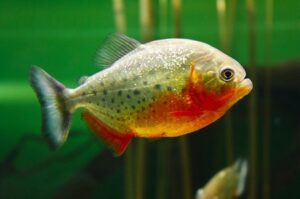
(164, 88)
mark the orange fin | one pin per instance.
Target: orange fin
(116, 141)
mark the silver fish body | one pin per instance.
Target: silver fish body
(145, 90)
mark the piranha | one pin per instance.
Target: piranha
(228, 183)
(164, 88)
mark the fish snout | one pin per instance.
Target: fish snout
(245, 86)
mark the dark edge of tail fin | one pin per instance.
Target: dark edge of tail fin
(56, 118)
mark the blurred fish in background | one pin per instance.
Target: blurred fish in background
(229, 183)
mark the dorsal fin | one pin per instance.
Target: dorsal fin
(114, 47)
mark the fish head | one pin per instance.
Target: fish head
(222, 80)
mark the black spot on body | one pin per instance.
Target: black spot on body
(112, 100)
(83, 94)
(128, 96)
(105, 92)
(103, 99)
(118, 111)
(94, 92)
(170, 88)
(145, 83)
(157, 86)
(119, 93)
(136, 92)
(133, 107)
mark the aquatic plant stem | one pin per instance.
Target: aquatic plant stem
(163, 17)
(183, 141)
(176, 4)
(252, 101)
(146, 20)
(163, 169)
(231, 15)
(147, 33)
(120, 24)
(140, 169)
(120, 19)
(185, 167)
(163, 147)
(229, 138)
(223, 31)
(129, 181)
(226, 33)
(267, 102)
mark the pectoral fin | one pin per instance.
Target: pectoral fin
(116, 141)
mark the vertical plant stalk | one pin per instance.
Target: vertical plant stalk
(229, 138)
(163, 17)
(120, 23)
(163, 169)
(140, 169)
(177, 17)
(120, 19)
(225, 40)
(163, 152)
(223, 22)
(146, 20)
(183, 142)
(252, 101)
(226, 17)
(267, 102)
(147, 31)
(129, 180)
(185, 167)
(231, 15)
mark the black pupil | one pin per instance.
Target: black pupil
(228, 74)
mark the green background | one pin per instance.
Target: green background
(62, 37)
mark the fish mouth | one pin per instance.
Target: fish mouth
(245, 86)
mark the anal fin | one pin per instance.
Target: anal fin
(116, 141)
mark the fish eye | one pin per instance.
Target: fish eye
(227, 74)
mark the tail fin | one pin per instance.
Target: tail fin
(56, 118)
